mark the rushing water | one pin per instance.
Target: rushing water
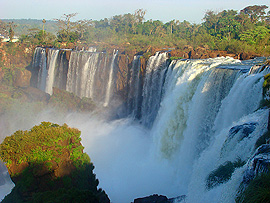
(187, 110)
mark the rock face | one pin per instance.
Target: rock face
(21, 78)
(259, 163)
(65, 101)
(49, 165)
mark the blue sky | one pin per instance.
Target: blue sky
(164, 10)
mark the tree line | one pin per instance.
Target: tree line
(247, 30)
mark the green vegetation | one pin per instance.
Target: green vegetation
(28, 146)
(47, 164)
(257, 191)
(266, 85)
(223, 173)
(233, 31)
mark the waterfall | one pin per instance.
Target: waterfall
(40, 62)
(152, 89)
(134, 90)
(85, 73)
(194, 115)
(52, 58)
(202, 102)
(110, 81)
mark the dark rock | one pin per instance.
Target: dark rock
(192, 54)
(259, 163)
(152, 199)
(246, 129)
(244, 56)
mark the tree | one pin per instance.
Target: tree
(3, 28)
(66, 27)
(139, 15)
(258, 36)
(43, 21)
(11, 32)
(256, 12)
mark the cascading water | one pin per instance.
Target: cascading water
(85, 73)
(152, 89)
(52, 58)
(194, 120)
(134, 98)
(195, 116)
(110, 81)
(40, 61)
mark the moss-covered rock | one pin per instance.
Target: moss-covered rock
(68, 102)
(223, 173)
(49, 160)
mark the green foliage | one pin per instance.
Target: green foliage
(175, 58)
(43, 143)
(257, 191)
(228, 30)
(266, 83)
(223, 173)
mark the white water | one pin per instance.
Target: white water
(52, 57)
(110, 81)
(152, 88)
(43, 72)
(200, 105)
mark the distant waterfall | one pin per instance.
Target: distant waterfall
(85, 73)
(40, 61)
(52, 59)
(110, 81)
(134, 84)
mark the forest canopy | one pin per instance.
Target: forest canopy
(228, 30)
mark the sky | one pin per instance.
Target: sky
(164, 10)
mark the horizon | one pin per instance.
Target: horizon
(165, 11)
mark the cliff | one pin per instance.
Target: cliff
(47, 163)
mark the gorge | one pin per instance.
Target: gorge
(171, 123)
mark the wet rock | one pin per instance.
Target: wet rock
(244, 130)
(259, 163)
(160, 199)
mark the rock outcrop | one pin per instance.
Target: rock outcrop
(47, 163)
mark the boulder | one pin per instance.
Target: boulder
(259, 163)
(160, 199)
(244, 56)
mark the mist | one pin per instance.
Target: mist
(122, 152)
